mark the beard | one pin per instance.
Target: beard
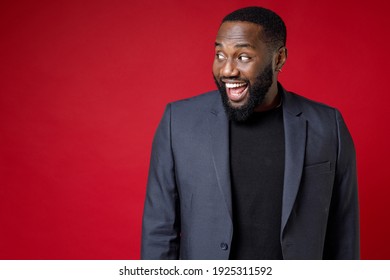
(257, 93)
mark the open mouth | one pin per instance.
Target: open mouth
(236, 91)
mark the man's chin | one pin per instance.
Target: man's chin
(239, 112)
(237, 105)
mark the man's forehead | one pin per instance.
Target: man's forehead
(239, 31)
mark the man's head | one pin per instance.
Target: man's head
(249, 53)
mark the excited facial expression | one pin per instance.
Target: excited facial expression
(242, 68)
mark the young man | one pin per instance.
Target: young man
(251, 171)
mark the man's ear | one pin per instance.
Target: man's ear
(280, 58)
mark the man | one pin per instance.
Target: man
(251, 171)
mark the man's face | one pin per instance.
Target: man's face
(242, 68)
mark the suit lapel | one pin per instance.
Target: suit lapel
(295, 142)
(219, 135)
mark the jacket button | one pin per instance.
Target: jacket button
(224, 246)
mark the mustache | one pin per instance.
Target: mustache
(220, 80)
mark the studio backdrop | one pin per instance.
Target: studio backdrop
(83, 85)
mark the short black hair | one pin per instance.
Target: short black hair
(274, 29)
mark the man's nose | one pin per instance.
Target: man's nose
(229, 69)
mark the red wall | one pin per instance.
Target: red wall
(83, 85)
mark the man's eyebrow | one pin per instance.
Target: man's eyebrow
(237, 46)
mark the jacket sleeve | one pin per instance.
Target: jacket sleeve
(161, 219)
(342, 236)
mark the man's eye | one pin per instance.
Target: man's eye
(219, 56)
(244, 58)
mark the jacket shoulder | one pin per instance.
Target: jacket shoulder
(310, 109)
(203, 102)
(308, 103)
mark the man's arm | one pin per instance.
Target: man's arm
(342, 237)
(161, 219)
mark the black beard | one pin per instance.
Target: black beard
(257, 93)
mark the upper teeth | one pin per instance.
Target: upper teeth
(235, 85)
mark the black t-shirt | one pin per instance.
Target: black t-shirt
(257, 154)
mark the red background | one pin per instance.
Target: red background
(83, 85)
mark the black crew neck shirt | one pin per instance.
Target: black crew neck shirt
(257, 155)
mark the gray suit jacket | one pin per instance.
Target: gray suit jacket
(188, 208)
